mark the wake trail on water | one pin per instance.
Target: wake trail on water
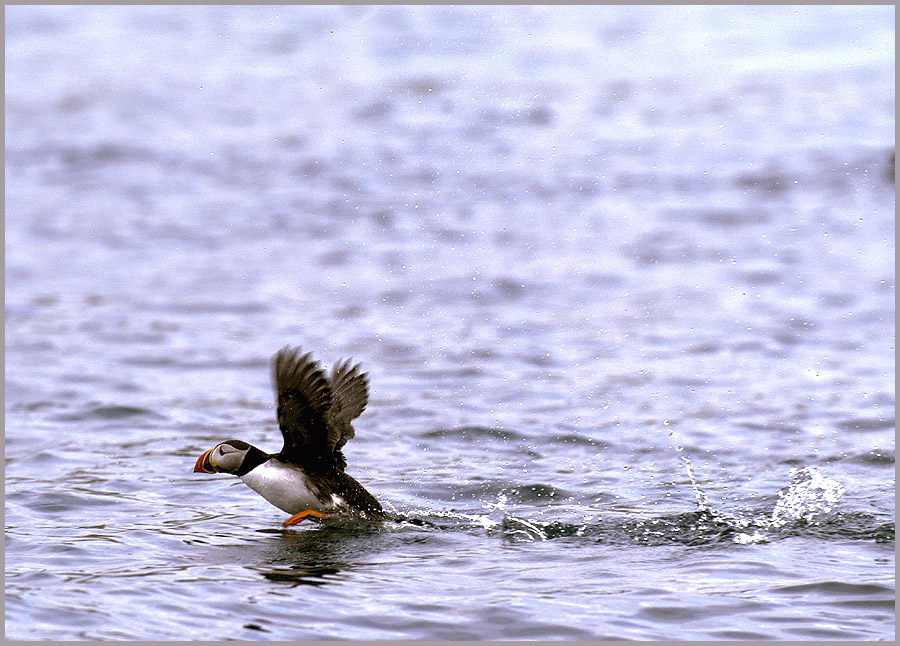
(806, 504)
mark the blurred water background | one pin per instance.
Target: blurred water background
(622, 278)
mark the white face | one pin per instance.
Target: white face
(227, 457)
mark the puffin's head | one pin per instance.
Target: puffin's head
(227, 457)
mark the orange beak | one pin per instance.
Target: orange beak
(204, 464)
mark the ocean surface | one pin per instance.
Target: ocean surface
(622, 279)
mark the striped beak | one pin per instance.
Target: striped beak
(204, 464)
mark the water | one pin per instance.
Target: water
(622, 278)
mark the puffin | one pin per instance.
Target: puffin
(306, 478)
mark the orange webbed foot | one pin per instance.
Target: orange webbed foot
(297, 518)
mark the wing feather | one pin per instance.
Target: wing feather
(304, 400)
(350, 394)
(315, 411)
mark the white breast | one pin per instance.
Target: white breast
(285, 486)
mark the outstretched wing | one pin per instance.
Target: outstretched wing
(304, 400)
(349, 396)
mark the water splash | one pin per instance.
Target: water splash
(704, 506)
(502, 503)
(806, 500)
(747, 539)
(702, 498)
(519, 529)
(809, 497)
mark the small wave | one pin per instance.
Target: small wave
(504, 493)
(838, 588)
(535, 493)
(106, 412)
(474, 432)
(846, 526)
(574, 439)
(863, 424)
(875, 457)
(54, 503)
(688, 529)
(302, 575)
